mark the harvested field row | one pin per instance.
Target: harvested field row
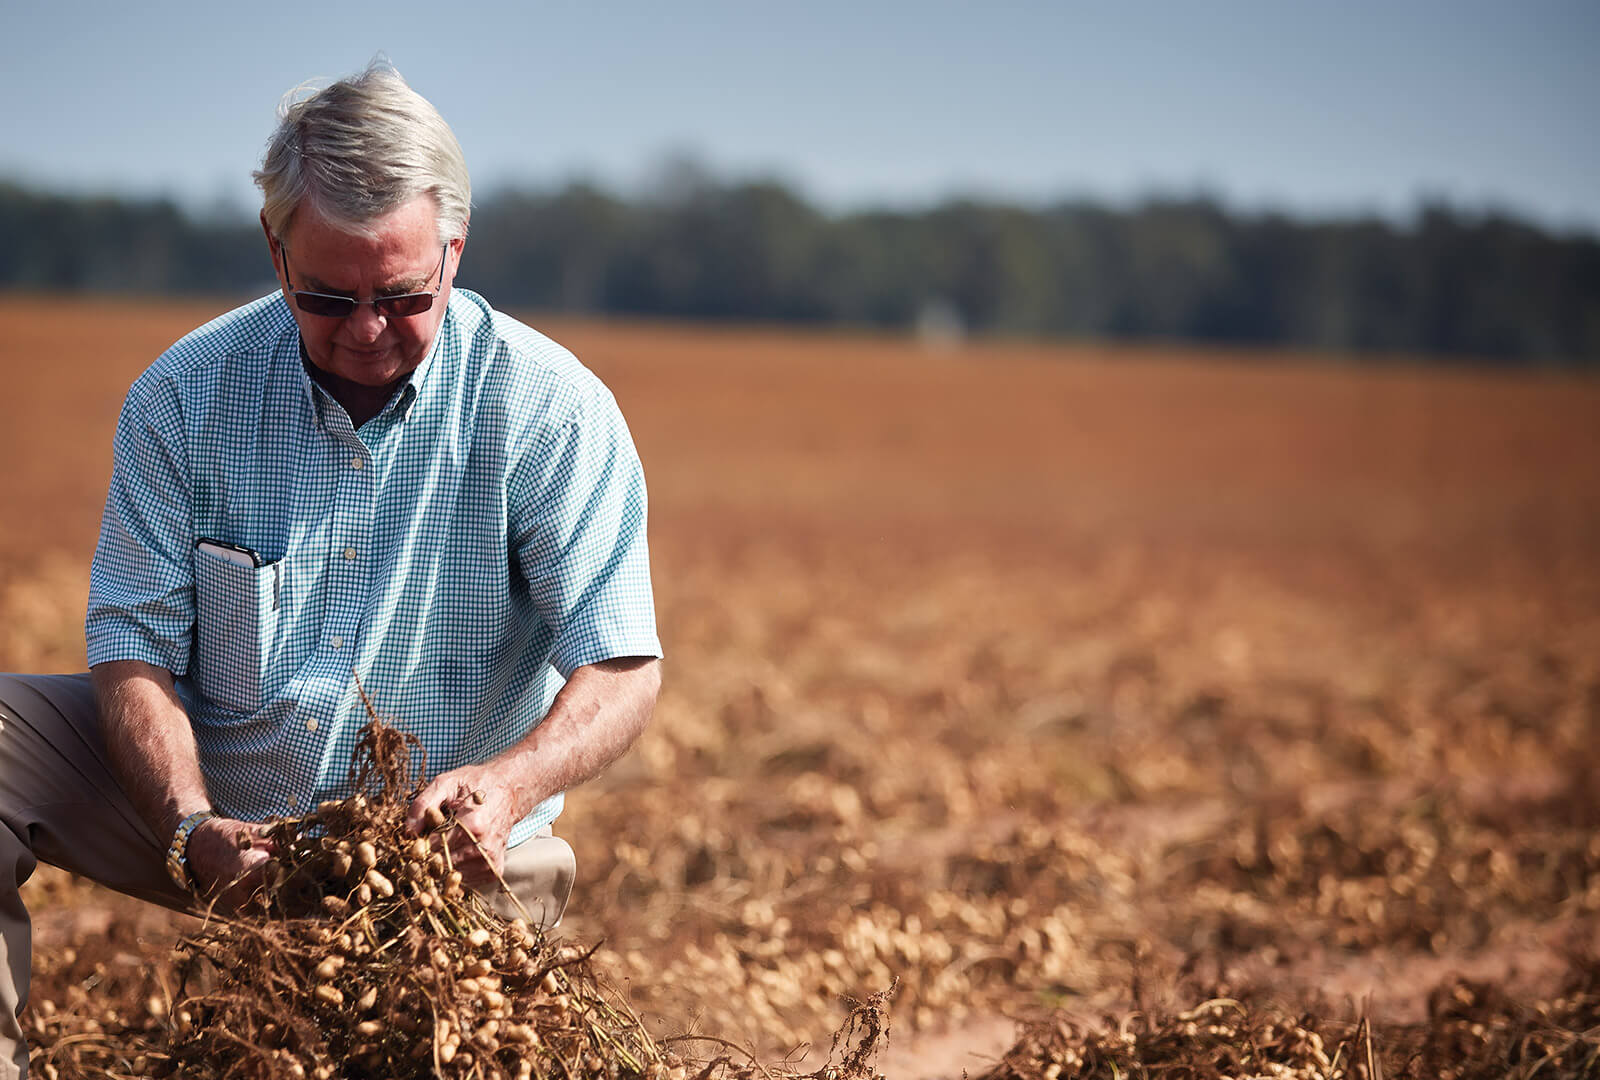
(1054, 684)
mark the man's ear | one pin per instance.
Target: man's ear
(273, 246)
(457, 246)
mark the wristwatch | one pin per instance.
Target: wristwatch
(178, 850)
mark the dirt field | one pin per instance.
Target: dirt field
(1051, 681)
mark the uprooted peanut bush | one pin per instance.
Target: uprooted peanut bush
(365, 956)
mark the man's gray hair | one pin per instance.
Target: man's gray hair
(358, 149)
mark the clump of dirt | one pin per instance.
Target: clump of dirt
(364, 957)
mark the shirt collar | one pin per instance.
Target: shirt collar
(405, 398)
(400, 403)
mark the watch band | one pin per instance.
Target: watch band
(178, 850)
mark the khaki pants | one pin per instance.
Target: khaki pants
(60, 804)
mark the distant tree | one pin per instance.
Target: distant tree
(110, 245)
(1450, 283)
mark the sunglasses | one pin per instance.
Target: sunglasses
(333, 306)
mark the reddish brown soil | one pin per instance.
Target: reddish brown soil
(1038, 677)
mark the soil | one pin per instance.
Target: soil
(1048, 680)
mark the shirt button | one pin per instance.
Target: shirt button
(357, 463)
(349, 554)
(292, 801)
(337, 642)
(311, 725)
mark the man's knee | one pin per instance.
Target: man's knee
(540, 872)
(48, 726)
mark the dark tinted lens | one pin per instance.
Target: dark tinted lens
(333, 307)
(408, 304)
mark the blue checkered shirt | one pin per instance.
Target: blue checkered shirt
(469, 547)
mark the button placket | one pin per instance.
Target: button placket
(355, 475)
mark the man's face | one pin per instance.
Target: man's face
(403, 256)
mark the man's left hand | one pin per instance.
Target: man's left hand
(595, 717)
(484, 812)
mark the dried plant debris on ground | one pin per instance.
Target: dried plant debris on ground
(364, 956)
(1218, 1038)
(1088, 701)
(1474, 1032)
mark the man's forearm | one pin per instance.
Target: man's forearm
(151, 744)
(595, 717)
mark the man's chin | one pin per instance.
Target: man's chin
(371, 370)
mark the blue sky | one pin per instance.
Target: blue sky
(1318, 108)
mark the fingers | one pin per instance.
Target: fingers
(430, 809)
(252, 837)
(476, 842)
(460, 812)
(417, 816)
(471, 847)
(448, 795)
(239, 878)
(216, 851)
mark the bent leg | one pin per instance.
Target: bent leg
(60, 803)
(16, 950)
(539, 872)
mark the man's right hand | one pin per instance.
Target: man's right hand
(224, 870)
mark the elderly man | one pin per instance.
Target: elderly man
(368, 474)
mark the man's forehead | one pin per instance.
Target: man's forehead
(413, 224)
(398, 252)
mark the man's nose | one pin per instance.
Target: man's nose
(364, 323)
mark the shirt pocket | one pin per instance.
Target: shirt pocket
(237, 611)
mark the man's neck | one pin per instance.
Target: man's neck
(360, 402)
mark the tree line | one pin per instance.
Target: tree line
(1450, 283)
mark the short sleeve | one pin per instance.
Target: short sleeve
(578, 516)
(141, 586)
